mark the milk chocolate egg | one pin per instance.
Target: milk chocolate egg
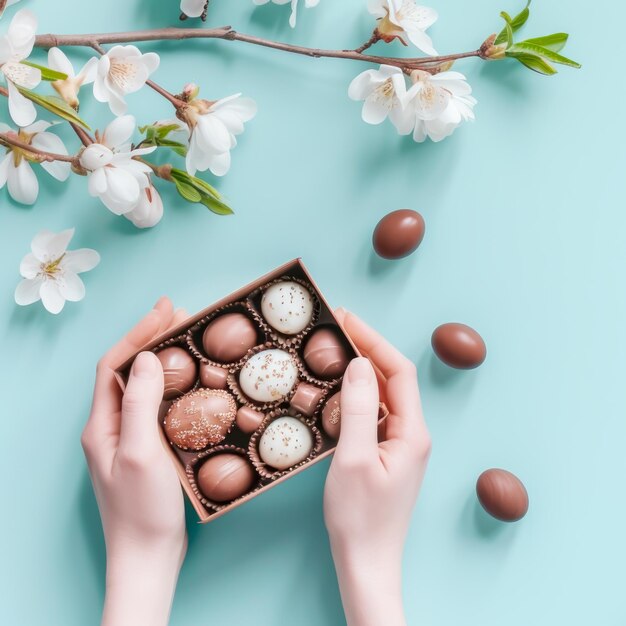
(325, 354)
(224, 477)
(268, 376)
(179, 371)
(398, 234)
(502, 495)
(285, 442)
(200, 418)
(287, 306)
(331, 416)
(228, 337)
(459, 346)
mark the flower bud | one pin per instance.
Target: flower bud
(492, 52)
(95, 156)
(68, 91)
(190, 91)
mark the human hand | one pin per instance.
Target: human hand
(136, 486)
(372, 487)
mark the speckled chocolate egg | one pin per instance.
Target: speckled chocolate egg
(502, 495)
(459, 346)
(398, 234)
(287, 306)
(331, 416)
(179, 371)
(268, 376)
(285, 443)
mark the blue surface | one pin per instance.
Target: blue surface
(525, 242)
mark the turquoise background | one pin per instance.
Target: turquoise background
(525, 242)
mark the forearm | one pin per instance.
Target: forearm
(140, 589)
(371, 589)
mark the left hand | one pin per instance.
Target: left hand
(136, 485)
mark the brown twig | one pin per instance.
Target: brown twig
(8, 140)
(96, 40)
(3, 4)
(370, 42)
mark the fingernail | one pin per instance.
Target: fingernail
(360, 372)
(156, 304)
(341, 310)
(144, 365)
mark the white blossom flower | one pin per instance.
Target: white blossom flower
(439, 103)
(50, 271)
(15, 46)
(384, 94)
(8, 4)
(15, 169)
(122, 70)
(404, 19)
(68, 89)
(114, 175)
(192, 8)
(148, 211)
(213, 127)
(294, 7)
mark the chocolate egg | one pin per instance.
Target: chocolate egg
(224, 477)
(287, 306)
(179, 371)
(502, 495)
(228, 337)
(200, 418)
(459, 346)
(398, 234)
(331, 416)
(325, 354)
(268, 376)
(285, 442)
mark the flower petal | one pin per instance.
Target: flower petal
(192, 8)
(88, 74)
(81, 260)
(212, 135)
(4, 169)
(71, 287)
(51, 143)
(48, 246)
(97, 182)
(118, 131)
(149, 210)
(21, 109)
(375, 110)
(151, 61)
(28, 291)
(22, 183)
(59, 62)
(21, 33)
(422, 41)
(30, 266)
(220, 164)
(51, 296)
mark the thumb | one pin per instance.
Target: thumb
(140, 406)
(359, 411)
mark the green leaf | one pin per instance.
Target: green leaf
(188, 192)
(537, 64)
(55, 105)
(176, 146)
(524, 47)
(46, 72)
(515, 23)
(194, 189)
(163, 131)
(555, 42)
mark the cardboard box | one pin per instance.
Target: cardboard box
(187, 462)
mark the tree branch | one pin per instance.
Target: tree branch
(95, 40)
(3, 4)
(8, 140)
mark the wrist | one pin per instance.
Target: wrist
(370, 582)
(140, 585)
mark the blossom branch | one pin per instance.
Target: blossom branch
(10, 140)
(96, 40)
(3, 4)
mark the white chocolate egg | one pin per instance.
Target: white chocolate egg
(288, 307)
(268, 376)
(285, 442)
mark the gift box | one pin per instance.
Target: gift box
(251, 389)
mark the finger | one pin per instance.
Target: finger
(166, 309)
(140, 407)
(106, 405)
(359, 412)
(406, 420)
(180, 315)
